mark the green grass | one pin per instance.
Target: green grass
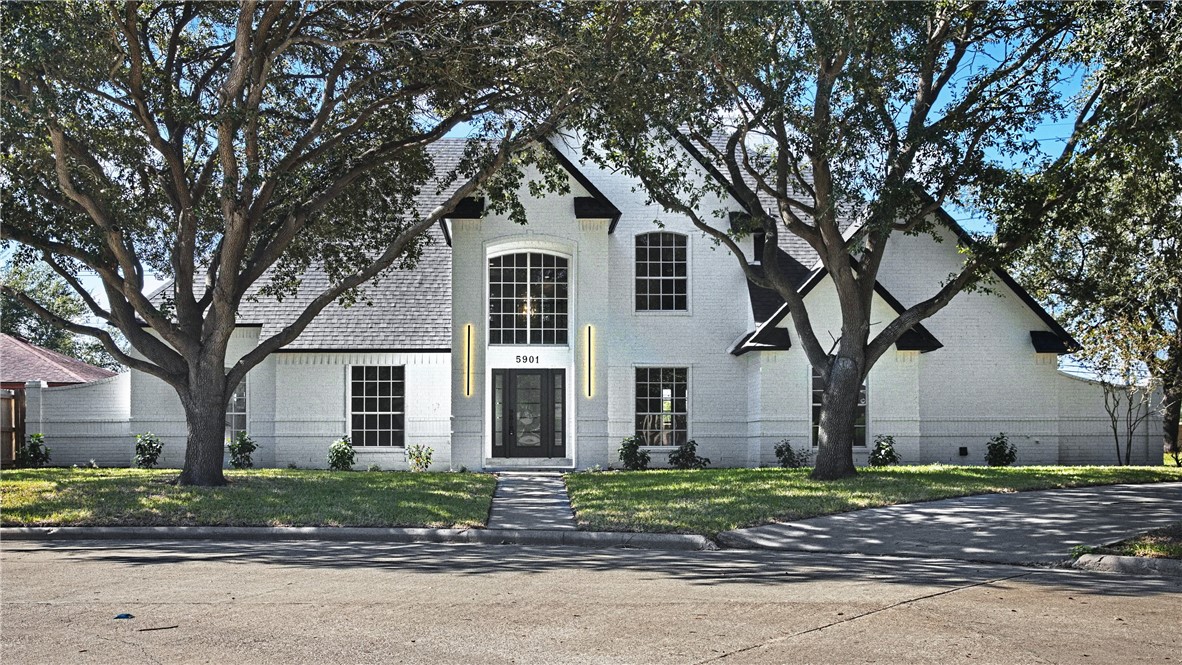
(256, 497)
(1164, 543)
(714, 500)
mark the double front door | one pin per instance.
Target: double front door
(529, 412)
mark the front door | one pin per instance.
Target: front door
(529, 414)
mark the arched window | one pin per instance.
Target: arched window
(527, 299)
(661, 281)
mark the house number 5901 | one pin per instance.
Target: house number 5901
(523, 360)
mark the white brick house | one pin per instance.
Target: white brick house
(547, 344)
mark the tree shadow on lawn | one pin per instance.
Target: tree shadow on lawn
(717, 568)
(311, 498)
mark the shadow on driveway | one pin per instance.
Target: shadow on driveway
(1023, 528)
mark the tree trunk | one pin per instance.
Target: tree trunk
(839, 413)
(205, 421)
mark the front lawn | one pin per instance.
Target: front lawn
(256, 497)
(714, 500)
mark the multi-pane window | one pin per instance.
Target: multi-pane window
(859, 423)
(236, 412)
(661, 282)
(662, 405)
(377, 405)
(527, 299)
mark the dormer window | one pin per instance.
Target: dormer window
(661, 272)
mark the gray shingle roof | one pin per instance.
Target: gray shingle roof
(402, 309)
(409, 309)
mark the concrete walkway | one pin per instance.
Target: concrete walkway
(529, 500)
(1024, 528)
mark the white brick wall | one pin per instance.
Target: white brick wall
(83, 422)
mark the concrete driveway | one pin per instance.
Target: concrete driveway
(1025, 528)
(342, 602)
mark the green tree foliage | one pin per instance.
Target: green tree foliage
(49, 289)
(1112, 269)
(231, 147)
(842, 125)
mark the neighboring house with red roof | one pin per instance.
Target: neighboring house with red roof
(544, 345)
(22, 361)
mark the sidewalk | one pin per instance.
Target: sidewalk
(1022, 528)
(527, 500)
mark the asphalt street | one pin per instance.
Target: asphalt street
(342, 602)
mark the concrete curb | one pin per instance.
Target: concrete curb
(552, 538)
(1129, 565)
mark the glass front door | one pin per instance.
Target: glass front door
(529, 418)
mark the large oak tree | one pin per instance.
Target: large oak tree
(1112, 268)
(231, 146)
(844, 124)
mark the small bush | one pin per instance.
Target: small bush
(1000, 452)
(373, 467)
(34, 453)
(148, 447)
(632, 456)
(792, 458)
(341, 455)
(884, 451)
(241, 448)
(686, 457)
(419, 457)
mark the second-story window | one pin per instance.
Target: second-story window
(527, 299)
(661, 276)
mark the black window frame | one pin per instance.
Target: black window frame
(649, 405)
(379, 413)
(536, 281)
(660, 272)
(233, 414)
(815, 395)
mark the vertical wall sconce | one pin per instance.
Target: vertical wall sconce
(468, 360)
(590, 362)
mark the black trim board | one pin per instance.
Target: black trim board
(597, 206)
(1045, 341)
(692, 149)
(1069, 342)
(917, 338)
(469, 207)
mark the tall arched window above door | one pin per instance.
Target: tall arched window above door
(662, 281)
(527, 299)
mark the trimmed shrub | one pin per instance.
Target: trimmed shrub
(632, 456)
(341, 455)
(148, 447)
(793, 458)
(34, 453)
(884, 453)
(373, 467)
(999, 451)
(241, 448)
(419, 457)
(686, 457)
